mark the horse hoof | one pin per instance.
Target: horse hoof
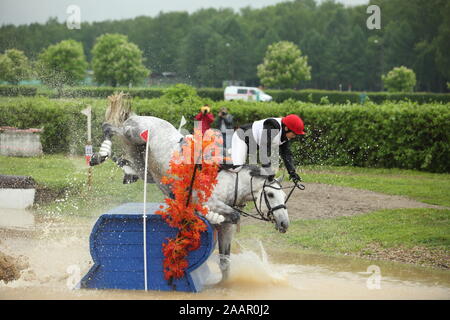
(96, 159)
(130, 178)
(225, 277)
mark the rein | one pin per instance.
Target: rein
(269, 215)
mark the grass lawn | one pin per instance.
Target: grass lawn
(65, 179)
(415, 235)
(387, 228)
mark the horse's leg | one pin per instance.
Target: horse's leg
(130, 175)
(135, 154)
(216, 205)
(105, 149)
(225, 234)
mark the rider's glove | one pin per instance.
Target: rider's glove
(294, 177)
(105, 148)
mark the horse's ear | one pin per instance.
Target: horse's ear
(281, 178)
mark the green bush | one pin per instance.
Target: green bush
(180, 93)
(13, 91)
(64, 126)
(399, 79)
(401, 135)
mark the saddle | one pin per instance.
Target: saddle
(229, 167)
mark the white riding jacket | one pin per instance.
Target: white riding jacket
(258, 131)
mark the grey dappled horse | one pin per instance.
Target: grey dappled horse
(229, 193)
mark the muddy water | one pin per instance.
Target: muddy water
(58, 255)
(16, 218)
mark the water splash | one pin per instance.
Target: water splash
(251, 269)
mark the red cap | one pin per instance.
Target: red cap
(294, 123)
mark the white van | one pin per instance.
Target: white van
(246, 94)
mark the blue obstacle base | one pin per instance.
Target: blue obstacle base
(117, 249)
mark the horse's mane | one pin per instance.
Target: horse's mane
(255, 170)
(119, 109)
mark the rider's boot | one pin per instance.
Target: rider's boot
(103, 154)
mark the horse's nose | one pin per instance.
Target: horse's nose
(283, 227)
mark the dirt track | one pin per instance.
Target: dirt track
(327, 201)
(322, 201)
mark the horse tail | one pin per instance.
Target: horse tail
(119, 109)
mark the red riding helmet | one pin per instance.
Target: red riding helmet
(294, 123)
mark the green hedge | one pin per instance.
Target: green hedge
(419, 97)
(64, 126)
(343, 97)
(402, 135)
(314, 96)
(103, 92)
(13, 91)
(216, 94)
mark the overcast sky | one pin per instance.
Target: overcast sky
(28, 11)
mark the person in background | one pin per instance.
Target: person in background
(224, 123)
(206, 117)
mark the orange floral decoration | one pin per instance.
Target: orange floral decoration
(199, 156)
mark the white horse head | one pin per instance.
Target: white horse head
(271, 202)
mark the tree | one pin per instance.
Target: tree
(62, 63)
(193, 53)
(399, 41)
(313, 45)
(354, 60)
(116, 61)
(14, 66)
(400, 79)
(443, 45)
(283, 66)
(209, 45)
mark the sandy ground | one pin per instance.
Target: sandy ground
(322, 201)
(319, 201)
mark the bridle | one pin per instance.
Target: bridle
(269, 215)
